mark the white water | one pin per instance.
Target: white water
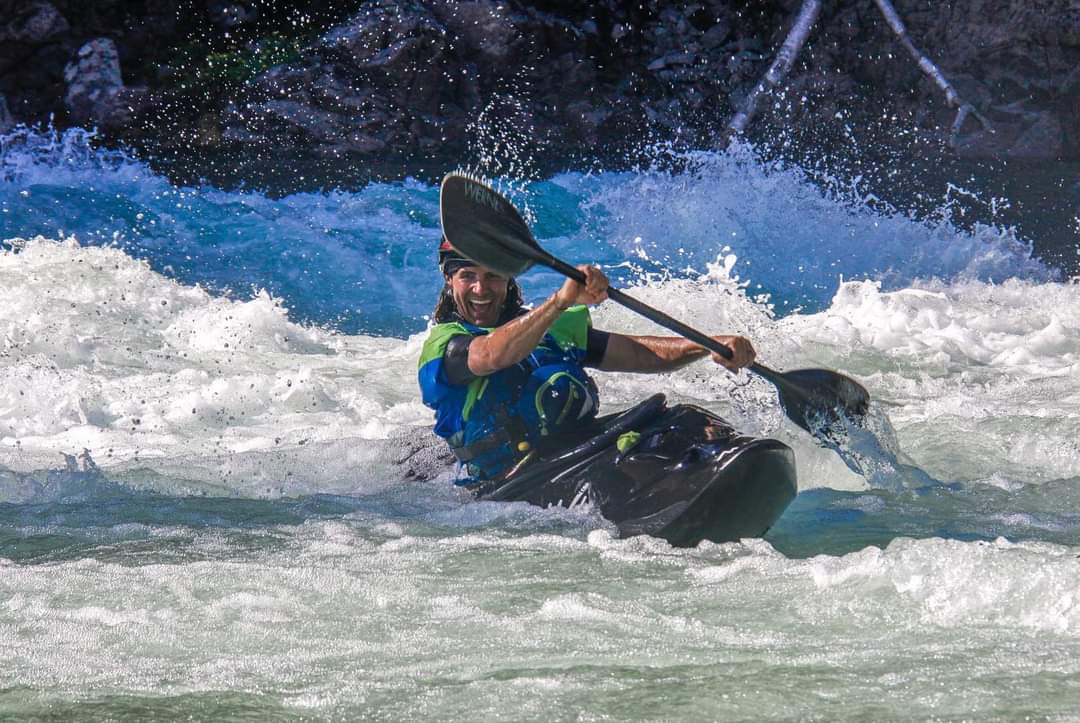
(241, 537)
(103, 354)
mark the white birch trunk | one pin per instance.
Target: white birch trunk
(794, 42)
(931, 70)
(785, 58)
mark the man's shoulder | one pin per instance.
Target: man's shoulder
(437, 339)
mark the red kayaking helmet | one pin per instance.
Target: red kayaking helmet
(449, 258)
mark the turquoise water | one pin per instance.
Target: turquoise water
(219, 497)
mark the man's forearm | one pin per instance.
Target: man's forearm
(649, 353)
(514, 340)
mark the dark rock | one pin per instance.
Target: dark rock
(6, 121)
(1041, 140)
(483, 25)
(386, 35)
(209, 130)
(42, 68)
(1070, 28)
(716, 35)
(579, 79)
(228, 15)
(36, 23)
(394, 85)
(672, 59)
(1016, 133)
(320, 125)
(93, 82)
(590, 117)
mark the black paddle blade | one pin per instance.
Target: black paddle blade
(485, 227)
(818, 399)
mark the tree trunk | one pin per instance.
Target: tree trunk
(776, 73)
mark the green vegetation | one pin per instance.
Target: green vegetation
(198, 70)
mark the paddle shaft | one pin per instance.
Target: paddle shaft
(655, 315)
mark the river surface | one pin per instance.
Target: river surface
(219, 497)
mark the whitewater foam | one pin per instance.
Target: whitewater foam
(103, 353)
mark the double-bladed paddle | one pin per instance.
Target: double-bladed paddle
(485, 227)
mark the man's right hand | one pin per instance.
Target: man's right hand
(593, 291)
(742, 352)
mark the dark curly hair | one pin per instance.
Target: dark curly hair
(446, 311)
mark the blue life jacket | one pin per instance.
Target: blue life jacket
(493, 421)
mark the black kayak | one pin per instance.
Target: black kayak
(682, 474)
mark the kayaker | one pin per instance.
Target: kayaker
(503, 378)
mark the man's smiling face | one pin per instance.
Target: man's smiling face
(479, 294)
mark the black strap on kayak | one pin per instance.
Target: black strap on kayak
(611, 428)
(468, 452)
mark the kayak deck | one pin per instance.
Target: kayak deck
(689, 477)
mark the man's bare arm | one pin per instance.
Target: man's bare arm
(515, 340)
(667, 353)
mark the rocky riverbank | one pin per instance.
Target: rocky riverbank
(293, 95)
